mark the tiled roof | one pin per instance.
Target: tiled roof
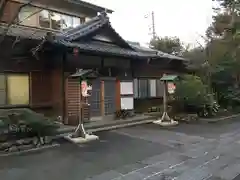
(24, 32)
(84, 29)
(66, 38)
(106, 48)
(89, 27)
(159, 53)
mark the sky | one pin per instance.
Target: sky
(186, 19)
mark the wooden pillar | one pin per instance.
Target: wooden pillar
(66, 91)
(57, 92)
(118, 95)
(102, 99)
(63, 88)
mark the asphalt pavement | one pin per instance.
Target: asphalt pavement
(145, 152)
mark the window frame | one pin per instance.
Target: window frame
(7, 104)
(137, 96)
(82, 19)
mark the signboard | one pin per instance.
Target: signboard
(171, 87)
(85, 89)
(126, 88)
(127, 103)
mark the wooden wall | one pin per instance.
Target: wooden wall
(57, 94)
(40, 88)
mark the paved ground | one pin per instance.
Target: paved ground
(147, 152)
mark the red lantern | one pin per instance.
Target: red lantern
(75, 51)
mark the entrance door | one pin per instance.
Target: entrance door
(110, 96)
(95, 99)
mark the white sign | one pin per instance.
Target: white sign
(126, 88)
(127, 103)
(85, 88)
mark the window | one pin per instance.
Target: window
(82, 20)
(135, 88)
(67, 22)
(153, 89)
(33, 16)
(29, 16)
(143, 88)
(76, 22)
(18, 89)
(44, 20)
(14, 89)
(56, 20)
(147, 88)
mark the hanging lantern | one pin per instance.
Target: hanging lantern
(171, 87)
(75, 51)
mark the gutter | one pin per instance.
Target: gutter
(90, 6)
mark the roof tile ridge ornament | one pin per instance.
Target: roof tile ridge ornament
(103, 16)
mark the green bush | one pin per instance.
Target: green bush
(191, 96)
(21, 123)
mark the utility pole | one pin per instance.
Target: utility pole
(153, 26)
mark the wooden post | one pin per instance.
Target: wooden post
(118, 96)
(165, 97)
(102, 99)
(63, 88)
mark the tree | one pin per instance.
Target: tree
(223, 50)
(170, 45)
(196, 56)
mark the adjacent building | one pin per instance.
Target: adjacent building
(46, 46)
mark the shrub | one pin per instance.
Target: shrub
(191, 96)
(21, 123)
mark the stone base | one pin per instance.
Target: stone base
(81, 140)
(166, 123)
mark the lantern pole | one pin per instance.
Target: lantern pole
(80, 131)
(80, 135)
(165, 119)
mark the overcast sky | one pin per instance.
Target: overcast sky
(183, 18)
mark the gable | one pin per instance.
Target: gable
(109, 36)
(97, 30)
(104, 38)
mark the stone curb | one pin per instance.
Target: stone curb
(119, 126)
(215, 120)
(39, 149)
(114, 125)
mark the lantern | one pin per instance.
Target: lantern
(75, 51)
